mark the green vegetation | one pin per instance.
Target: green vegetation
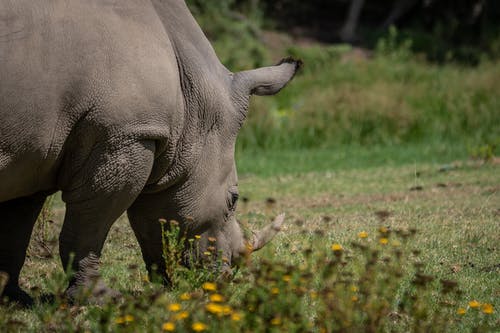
(390, 225)
(390, 99)
(419, 251)
(345, 95)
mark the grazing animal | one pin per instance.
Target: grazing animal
(121, 106)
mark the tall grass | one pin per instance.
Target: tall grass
(386, 96)
(391, 98)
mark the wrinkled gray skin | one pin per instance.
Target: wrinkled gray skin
(123, 106)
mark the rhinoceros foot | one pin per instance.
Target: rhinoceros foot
(87, 285)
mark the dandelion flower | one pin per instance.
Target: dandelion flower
(363, 234)
(198, 326)
(168, 326)
(182, 315)
(174, 307)
(383, 241)
(214, 308)
(461, 311)
(383, 230)
(337, 247)
(129, 318)
(236, 316)
(216, 298)
(197, 236)
(276, 321)
(227, 310)
(287, 278)
(354, 298)
(275, 291)
(207, 253)
(185, 297)
(209, 286)
(474, 304)
(120, 320)
(487, 308)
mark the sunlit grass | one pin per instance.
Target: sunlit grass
(452, 208)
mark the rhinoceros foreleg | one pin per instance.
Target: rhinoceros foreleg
(17, 218)
(111, 179)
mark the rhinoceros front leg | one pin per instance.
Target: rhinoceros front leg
(17, 218)
(101, 191)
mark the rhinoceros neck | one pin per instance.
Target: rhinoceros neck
(203, 81)
(193, 49)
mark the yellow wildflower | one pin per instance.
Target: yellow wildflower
(363, 234)
(461, 311)
(227, 310)
(168, 326)
(207, 253)
(182, 315)
(383, 230)
(124, 319)
(276, 321)
(197, 236)
(287, 278)
(474, 304)
(209, 286)
(214, 308)
(275, 291)
(337, 247)
(314, 294)
(354, 298)
(216, 298)
(198, 326)
(488, 308)
(174, 307)
(236, 316)
(383, 241)
(185, 297)
(354, 288)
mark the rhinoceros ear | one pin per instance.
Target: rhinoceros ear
(267, 80)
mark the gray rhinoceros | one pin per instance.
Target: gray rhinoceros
(122, 106)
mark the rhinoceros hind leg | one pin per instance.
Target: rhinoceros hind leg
(17, 218)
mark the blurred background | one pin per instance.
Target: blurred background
(421, 75)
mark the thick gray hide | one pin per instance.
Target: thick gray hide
(122, 106)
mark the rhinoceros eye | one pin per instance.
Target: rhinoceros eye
(233, 199)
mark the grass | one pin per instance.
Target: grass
(452, 204)
(378, 101)
(345, 96)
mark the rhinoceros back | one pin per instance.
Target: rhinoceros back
(60, 61)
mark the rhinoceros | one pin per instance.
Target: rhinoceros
(123, 106)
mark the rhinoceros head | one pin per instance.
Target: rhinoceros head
(203, 197)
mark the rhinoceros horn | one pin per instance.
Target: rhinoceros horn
(264, 236)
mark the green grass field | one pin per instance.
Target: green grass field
(391, 226)
(330, 197)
